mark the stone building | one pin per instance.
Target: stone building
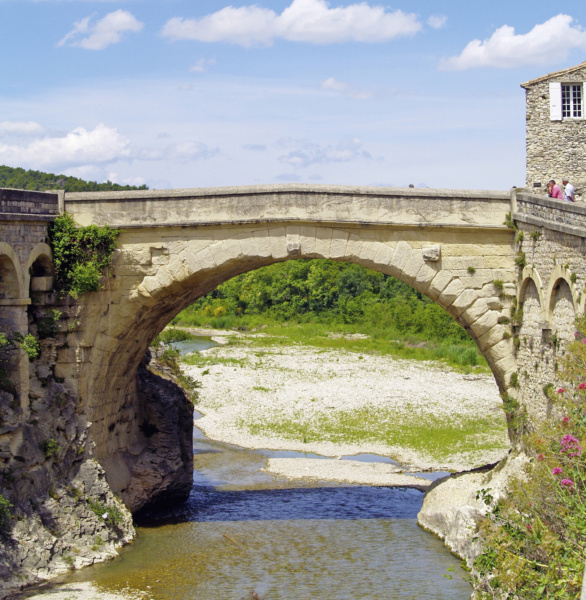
(556, 129)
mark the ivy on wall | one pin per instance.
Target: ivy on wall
(82, 256)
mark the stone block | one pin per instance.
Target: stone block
(323, 241)
(487, 321)
(412, 266)
(402, 254)
(307, 240)
(450, 293)
(463, 301)
(439, 283)
(278, 241)
(431, 253)
(338, 244)
(205, 259)
(263, 243)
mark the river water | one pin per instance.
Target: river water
(244, 532)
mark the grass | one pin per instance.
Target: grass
(438, 437)
(199, 359)
(463, 357)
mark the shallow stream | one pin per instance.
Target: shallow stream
(244, 531)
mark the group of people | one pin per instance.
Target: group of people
(554, 191)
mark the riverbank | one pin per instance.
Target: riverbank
(258, 393)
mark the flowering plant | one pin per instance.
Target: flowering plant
(534, 540)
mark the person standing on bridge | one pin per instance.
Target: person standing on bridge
(569, 191)
(554, 191)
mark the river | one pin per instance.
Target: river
(245, 532)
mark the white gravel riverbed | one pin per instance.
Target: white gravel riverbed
(257, 385)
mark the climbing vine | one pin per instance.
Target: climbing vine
(82, 256)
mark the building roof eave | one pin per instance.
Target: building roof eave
(532, 82)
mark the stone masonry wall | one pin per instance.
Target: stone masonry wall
(550, 292)
(555, 149)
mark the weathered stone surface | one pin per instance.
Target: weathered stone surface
(451, 509)
(431, 253)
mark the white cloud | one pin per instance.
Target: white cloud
(310, 154)
(77, 148)
(334, 85)
(202, 64)
(104, 32)
(547, 43)
(311, 21)
(437, 21)
(341, 87)
(20, 128)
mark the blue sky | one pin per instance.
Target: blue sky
(199, 93)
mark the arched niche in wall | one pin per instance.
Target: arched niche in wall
(40, 269)
(10, 278)
(531, 303)
(562, 310)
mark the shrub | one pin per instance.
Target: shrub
(5, 516)
(29, 344)
(110, 513)
(82, 256)
(50, 448)
(48, 324)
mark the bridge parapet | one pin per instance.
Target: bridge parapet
(557, 215)
(302, 203)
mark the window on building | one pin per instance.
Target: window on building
(571, 100)
(566, 101)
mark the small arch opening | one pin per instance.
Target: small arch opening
(9, 285)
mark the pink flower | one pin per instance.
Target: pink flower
(584, 341)
(567, 483)
(540, 457)
(582, 386)
(571, 445)
(528, 527)
(561, 390)
(565, 419)
(557, 470)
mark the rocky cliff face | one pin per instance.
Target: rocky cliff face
(57, 509)
(161, 461)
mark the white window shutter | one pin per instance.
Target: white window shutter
(555, 101)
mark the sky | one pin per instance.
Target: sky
(202, 93)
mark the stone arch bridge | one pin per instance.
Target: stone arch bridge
(176, 245)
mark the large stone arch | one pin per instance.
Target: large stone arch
(160, 272)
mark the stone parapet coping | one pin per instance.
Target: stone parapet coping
(553, 225)
(257, 190)
(28, 217)
(333, 223)
(563, 205)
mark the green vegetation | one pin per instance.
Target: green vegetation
(5, 351)
(307, 301)
(170, 359)
(168, 336)
(28, 343)
(48, 324)
(534, 539)
(5, 516)
(50, 448)
(110, 513)
(82, 256)
(38, 181)
(438, 437)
